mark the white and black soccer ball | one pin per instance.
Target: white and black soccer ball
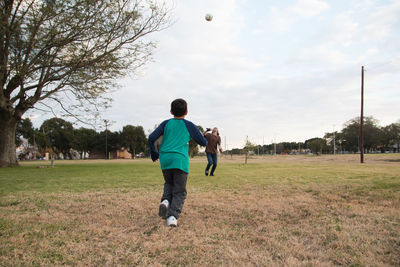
(209, 17)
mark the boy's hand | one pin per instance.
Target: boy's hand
(154, 156)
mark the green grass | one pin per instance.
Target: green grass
(78, 177)
(289, 211)
(81, 177)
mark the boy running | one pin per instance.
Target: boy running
(174, 159)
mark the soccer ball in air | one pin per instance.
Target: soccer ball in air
(209, 17)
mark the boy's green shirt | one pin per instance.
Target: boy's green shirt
(174, 151)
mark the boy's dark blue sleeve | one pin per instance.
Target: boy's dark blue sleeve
(159, 131)
(195, 134)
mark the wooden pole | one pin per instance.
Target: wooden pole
(362, 117)
(106, 123)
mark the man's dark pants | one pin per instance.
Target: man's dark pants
(174, 190)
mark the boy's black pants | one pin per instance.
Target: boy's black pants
(174, 190)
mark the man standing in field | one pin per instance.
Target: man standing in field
(214, 141)
(174, 159)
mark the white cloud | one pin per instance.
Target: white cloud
(280, 20)
(381, 21)
(283, 18)
(309, 8)
(344, 31)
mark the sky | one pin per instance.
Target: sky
(269, 71)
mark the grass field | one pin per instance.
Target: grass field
(282, 210)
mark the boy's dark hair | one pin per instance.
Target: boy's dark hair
(178, 107)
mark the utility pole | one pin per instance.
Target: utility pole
(334, 144)
(274, 143)
(334, 141)
(225, 142)
(263, 147)
(107, 124)
(362, 117)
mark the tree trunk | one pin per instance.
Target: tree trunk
(52, 160)
(8, 155)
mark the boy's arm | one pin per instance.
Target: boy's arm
(159, 131)
(195, 133)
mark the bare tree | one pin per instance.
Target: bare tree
(72, 49)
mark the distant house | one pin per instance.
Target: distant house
(395, 148)
(114, 154)
(123, 154)
(95, 154)
(26, 151)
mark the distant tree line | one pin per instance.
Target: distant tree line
(376, 139)
(59, 136)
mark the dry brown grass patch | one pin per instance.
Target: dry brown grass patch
(258, 227)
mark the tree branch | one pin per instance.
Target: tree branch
(70, 113)
(81, 46)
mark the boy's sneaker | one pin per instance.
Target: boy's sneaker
(172, 221)
(163, 209)
(206, 173)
